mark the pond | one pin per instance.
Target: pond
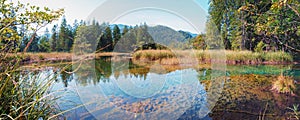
(118, 90)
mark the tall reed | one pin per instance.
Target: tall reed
(24, 94)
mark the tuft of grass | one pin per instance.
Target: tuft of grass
(202, 55)
(296, 112)
(23, 94)
(284, 84)
(153, 55)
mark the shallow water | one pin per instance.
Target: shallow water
(115, 90)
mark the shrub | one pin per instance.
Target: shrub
(259, 47)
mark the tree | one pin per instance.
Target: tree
(44, 45)
(19, 99)
(199, 42)
(106, 40)
(213, 37)
(47, 33)
(62, 36)
(125, 30)
(69, 38)
(75, 27)
(116, 34)
(86, 39)
(54, 39)
(279, 26)
(245, 24)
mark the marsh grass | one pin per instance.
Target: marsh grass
(25, 94)
(59, 56)
(23, 97)
(153, 54)
(204, 56)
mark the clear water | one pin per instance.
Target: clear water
(146, 93)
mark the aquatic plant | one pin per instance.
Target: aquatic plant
(284, 84)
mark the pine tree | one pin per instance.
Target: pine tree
(62, 36)
(106, 40)
(116, 34)
(125, 30)
(54, 39)
(44, 45)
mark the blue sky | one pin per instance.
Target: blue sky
(81, 10)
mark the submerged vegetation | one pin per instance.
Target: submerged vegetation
(264, 32)
(250, 95)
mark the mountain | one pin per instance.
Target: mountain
(187, 34)
(165, 35)
(145, 37)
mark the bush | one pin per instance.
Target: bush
(260, 46)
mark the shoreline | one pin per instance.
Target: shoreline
(204, 57)
(31, 58)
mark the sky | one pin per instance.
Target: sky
(179, 15)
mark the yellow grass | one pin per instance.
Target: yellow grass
(284, 84)
(189, 56)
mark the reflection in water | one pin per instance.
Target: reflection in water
(246, 93)
(136, 92)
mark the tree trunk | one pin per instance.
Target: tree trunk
(28, 44)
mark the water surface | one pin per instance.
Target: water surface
(138, 92)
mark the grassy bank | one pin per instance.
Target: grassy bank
(28, 58)
(168, 57)
(232, 57)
